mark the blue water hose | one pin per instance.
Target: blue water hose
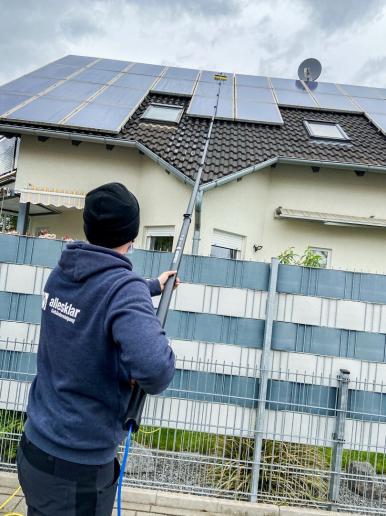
(122, 472)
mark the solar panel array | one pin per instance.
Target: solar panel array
(101, 94)
(79, 92)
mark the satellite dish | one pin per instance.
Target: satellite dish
(309, 69)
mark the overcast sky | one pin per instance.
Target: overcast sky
(263, 37)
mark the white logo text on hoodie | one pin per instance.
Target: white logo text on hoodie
(66, 310)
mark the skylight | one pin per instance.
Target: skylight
(163, 113)
(325, 130)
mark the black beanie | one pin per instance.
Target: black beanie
(111, 216)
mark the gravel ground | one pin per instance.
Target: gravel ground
(186, 473)
(356, 502)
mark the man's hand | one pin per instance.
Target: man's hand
(162, 278)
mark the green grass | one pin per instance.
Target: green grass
(176, 440)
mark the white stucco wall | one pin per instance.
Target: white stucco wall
(245, 207)
(58, 164)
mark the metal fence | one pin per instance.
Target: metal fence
(311, 440)
(254, 412)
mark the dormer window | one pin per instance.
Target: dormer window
(325, 130)
(166, 113)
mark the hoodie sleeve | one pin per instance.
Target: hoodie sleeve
(154, 287)
(146, 355)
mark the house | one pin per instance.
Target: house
(290, 163)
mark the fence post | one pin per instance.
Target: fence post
(265, 367)
(338, 436)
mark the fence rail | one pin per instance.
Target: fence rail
(248, 415)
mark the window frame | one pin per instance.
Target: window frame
(158, 231)
(219, 239)
(316, 249)
(343, 135)
(237, 252)
(167, 106)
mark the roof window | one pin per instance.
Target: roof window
(163, 113)
(325, 130)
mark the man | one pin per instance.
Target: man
(99, 335)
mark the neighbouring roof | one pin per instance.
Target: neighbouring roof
(331, 219)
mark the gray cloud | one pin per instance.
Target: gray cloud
(268, 37)
(333, 15)
(219, 8)
(373, 71)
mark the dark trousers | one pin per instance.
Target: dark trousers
(56, 487)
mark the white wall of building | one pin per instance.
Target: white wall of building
(247, 207)
(56, 164)
(244, 207)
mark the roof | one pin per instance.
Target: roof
(235, 145)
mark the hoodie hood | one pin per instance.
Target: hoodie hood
(80, 260)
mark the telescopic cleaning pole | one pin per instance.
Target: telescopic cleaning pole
(138, 396)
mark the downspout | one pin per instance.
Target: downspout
(197, 223)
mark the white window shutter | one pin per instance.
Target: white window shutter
(228, 240)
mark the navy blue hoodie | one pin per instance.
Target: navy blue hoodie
(98, 331)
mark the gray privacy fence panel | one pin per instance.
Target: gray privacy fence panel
(244, 332)
(194, 269)
(216, 394)
(216, 271)
(336, 342)
(241, 391)
(356, 286)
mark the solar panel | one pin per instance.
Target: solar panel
(257, 94)
(28, 85)
(97, 76)
(324, 87)
(287, 84)
(99, 117)
(147, 69)
(339, 102)
(249, 110)
(45, 110)
(294, 98)
(74, 90)
(8, 101)
(204, 106)
(252, 81)
(379, 120)
(55, 71)
(361, 91)
(111, 64)
(116, 96)
(188, 74)
(210, 89)
(136, 82)
(76, 60)
(174, 86)
(372, 105)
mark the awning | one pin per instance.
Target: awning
(329, 219)
(49, 197)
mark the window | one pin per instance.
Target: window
(159, 238)
(325, 130)
(163, 113)
(223, 252)
(325, 255)
(161, 243)
(226, 245)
